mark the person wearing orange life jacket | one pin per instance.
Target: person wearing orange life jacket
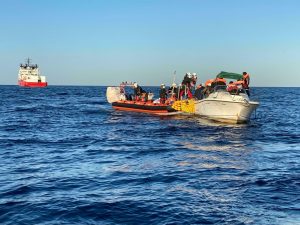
(218, 82)
(208, 82)
(246, 82)
(207, 90)
(232, 88)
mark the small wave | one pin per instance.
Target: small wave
(26, 108)
(62, 93)
(19, 190)
(97, 102)
(96, 111)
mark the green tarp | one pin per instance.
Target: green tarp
(227, 75)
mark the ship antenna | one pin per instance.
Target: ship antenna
(28, 61)
(174, 77)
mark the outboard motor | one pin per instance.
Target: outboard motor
(150, 96)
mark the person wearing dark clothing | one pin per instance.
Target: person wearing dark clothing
(186, 86)
(187, 79)
(163, 94)
(138, 91)
(199, 92)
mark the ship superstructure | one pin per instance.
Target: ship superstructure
(29, 75)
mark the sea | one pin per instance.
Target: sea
(67, 157)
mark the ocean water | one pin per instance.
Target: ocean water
(66, 157)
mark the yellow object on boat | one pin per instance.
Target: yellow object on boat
(184, 106)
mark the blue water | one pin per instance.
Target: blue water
(67, 157)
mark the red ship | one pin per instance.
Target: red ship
(29, 76)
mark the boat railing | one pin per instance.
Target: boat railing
(126, 84)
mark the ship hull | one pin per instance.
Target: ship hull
(32, 84)
(144, 107)
(225, 111)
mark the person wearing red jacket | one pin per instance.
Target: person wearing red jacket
(232, 88)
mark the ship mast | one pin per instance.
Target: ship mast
(28, 61)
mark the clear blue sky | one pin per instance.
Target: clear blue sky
(94, 42)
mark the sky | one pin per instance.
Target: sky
(105, 42)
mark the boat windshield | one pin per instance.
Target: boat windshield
(220, 88)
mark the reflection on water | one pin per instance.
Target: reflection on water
(209, 122)
(223, 148)
(215, 159)
(205, 121)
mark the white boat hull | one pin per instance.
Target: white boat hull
(224, 107)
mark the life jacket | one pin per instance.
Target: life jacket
(232, 87)
(220, 80)
(208, 82)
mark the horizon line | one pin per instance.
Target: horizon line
(90, 85)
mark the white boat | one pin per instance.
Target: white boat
(220, 105)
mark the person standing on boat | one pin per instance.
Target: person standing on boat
(186, 86)
(173, 93)
(138, 91)
(173, 90)
(194, 80)
(163, 94)
(187, 78)
(246, 82)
